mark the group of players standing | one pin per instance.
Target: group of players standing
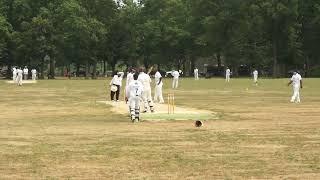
(18, 74)
(138, 87)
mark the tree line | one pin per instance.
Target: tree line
(278, 35)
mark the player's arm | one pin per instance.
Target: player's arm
(301, 84)
(290, 83)
(160, 80)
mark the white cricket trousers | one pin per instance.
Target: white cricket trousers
(296, 94)
(175, 83)
(196, 76)
(34, 76)
(14, 77)
(227, 78)
(255, 79)
(134, 104)
(158, 93)
(147, 99)
(19, 80)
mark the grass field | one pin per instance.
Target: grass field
(56, 130)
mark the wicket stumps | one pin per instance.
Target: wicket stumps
(170, 103)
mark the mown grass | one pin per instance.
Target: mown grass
(56, 130)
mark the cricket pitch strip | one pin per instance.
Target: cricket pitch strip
(161, 112)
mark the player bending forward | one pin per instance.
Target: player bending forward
(134, 94)
(296, 82)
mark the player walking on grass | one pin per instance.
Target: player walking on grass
(255, 77)
(134, 93)
(296, 82)
(14, 74)
(19, 77)
(175, 80)
(146, 95)
(116, 84)
(228, 73)
(196, 73)
(158, 88)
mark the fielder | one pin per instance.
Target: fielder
(34, 74)
(228, 73)
(296, 82)
(19, 77)
(255, 76)
(25, 73)
(146, 95)
(196, 73)
(175, 80)
(14, 74)
(158, 88)
(134, 94)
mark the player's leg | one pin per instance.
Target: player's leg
(137, 109)
(156, 94)
(177, 83)
(145, 101)
(150, 102)
(160, 94)
(294, 96)
(118, 92)
(173, 83)
(112, 95)
(132, 105)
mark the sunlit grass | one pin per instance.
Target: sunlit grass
(55, 129)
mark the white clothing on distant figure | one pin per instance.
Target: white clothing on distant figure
(14, 74)
(255, 76)
(116, 80)
(146, 95)
(19, 77)
(25, 73)
(175, 81)
(158, 88)
(196, 74)
(34, 74)
(228, 73)
(296, 79)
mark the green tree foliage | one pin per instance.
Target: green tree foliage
(275, 35)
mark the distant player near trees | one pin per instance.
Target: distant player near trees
(196, 73)
(228, 74)
(255, 77)
(296, 81)
(158, 88)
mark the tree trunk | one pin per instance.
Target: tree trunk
(52, 69)
(87, 70)
(42, 70)
(275, 60)
(104, 67)
(219, 63)
(94, 71)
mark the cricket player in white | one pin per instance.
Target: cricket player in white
(196, 74)
(228, 73)
(296, 81)
(25, 73)
(158, 88)
(255, 76)
(134, 93)
(14, 74)
(146, 95)
(175, 80)
(19, 77)
(116, 84)
(34, 74)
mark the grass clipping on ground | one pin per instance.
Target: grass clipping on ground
(161, 112)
